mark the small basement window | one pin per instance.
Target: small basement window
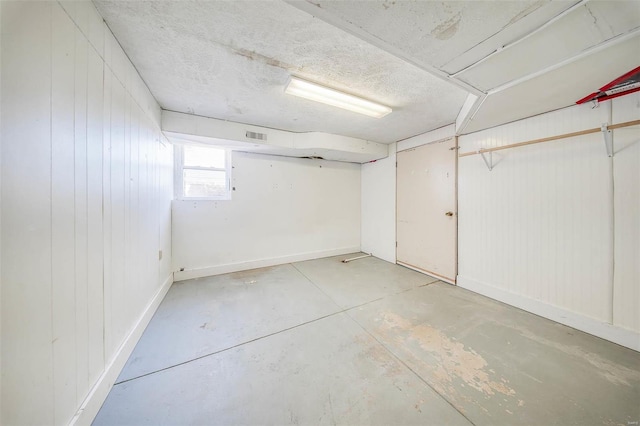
(202, 173)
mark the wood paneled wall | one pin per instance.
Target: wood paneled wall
(556, 223)
(86, 194)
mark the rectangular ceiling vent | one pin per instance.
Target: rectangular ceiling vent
(254, 135)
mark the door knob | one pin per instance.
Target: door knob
(449, 214)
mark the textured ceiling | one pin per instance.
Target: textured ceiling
(231, 59)
(437, 33)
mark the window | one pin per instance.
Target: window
(202, 173)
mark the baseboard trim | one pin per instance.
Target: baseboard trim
(621, 336)
(93, 402)
(260, 263)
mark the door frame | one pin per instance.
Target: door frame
(456, 231)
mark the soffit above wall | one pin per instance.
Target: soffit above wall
(186, 128)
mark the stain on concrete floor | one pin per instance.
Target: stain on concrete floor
(322, 342)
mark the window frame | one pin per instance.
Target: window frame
(180, 167)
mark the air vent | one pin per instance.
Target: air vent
(254, 135)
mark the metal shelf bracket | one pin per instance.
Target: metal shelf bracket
(488, 162)
(608, 138)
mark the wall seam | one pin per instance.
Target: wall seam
(75, 203)
(613, 217)
(1, 146)
(104, 237)
(86, 208)
(51, 303)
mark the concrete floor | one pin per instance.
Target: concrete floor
(368, 342)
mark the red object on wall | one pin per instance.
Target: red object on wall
(623, 85)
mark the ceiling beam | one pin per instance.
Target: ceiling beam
(469, 109)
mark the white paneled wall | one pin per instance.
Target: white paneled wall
(626, 167)
(283, 210)
(1, 138)
(538, 230)
(86, 193)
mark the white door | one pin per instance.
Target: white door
(427, 209)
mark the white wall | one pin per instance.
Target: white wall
(626, 178)
(283, 210)
(1, 137)
(379, 195)
(435, 135)
(379, 207)
(538, 230)
(86, 190)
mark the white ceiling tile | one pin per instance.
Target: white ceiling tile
(559, 88)
(527, 22)
(586, 26)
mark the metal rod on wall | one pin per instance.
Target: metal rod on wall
(356, 258)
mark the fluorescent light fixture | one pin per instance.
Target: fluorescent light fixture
(315, 92)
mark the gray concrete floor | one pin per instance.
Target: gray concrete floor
(368, 342)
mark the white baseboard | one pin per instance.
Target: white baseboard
(260, 263)
(621, 336)
(92, 403)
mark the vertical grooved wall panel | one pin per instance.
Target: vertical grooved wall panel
(63, 213)
(626, 295)
(80, 206)
(27, 361)
(95, 234)
(106, 215)
(540, 225)
(1, 137)
(80, 218)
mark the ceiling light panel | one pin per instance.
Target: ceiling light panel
(315, 92)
